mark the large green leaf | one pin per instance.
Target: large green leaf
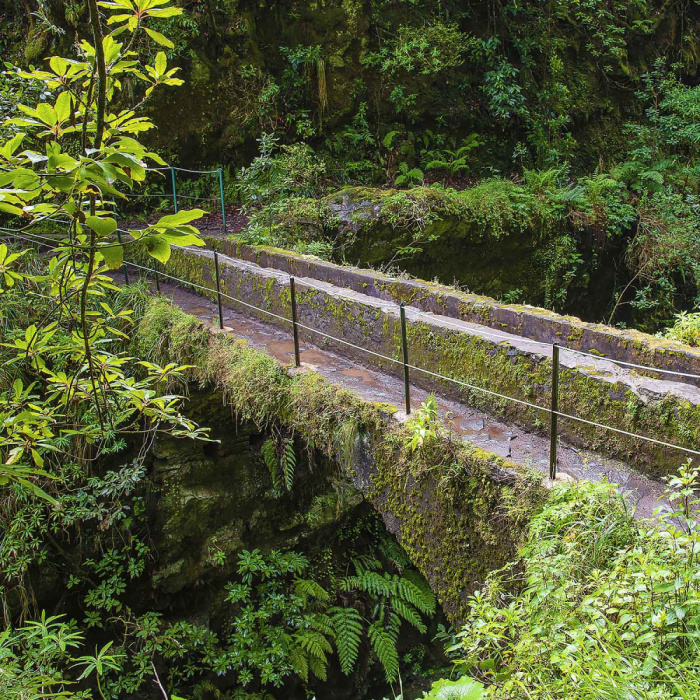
(12, 145)
(161, 63)
(182, 217)
(47, 114)
(159, 38)
(63, 106)
(463, 689)
(113, 255)
(158, 248)
(103, 227)
(9, 209)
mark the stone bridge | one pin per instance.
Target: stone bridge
(470, 511)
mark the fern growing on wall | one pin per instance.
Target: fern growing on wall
(289, 463)
(348, 626)
(269, 454)
(394, 599)
(282, 467)
(383, 638)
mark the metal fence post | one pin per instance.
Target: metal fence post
(172, 177)
(295, 329)
(221, 191)
(404, 351)
(155, 274)
(126, 274)
(554, 411)
(218, 290)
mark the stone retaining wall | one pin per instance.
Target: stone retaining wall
(458, 511)
(526, 321)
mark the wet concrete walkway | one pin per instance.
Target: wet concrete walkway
(479, 428)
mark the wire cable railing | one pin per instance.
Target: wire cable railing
(509, 338)
(297, 324)
(465, 327)
(553, 411)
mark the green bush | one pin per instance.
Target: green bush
(686, 329)
(609, 606)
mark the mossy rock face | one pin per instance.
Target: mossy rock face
(458, 511)
(214, 499)
(240, 81)
(493, 238)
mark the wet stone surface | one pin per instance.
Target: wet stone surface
(477, 427)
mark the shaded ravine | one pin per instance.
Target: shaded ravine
(481, 429)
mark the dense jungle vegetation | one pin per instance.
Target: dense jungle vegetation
(541, 152)
(568, 127)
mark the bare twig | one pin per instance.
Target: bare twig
(157, 681)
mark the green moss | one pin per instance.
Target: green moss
(478, 362)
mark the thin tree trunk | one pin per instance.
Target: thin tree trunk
(101, 72)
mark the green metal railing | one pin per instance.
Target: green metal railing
(176, 197)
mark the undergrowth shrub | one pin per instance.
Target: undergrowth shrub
(608, 607)
(686, 329)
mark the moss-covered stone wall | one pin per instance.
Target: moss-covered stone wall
(530, 322)
(458, 511)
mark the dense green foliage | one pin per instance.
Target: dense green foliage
(569, 127)
(608, 606)
(284, 620)
(686, 329)
(581, 116)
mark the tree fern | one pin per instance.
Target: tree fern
(383, 643)
(347, 623)
(289, 463)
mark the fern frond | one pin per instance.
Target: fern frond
(436, 165)
(347, 623)
(269, 455)
(370, 582)
(394, 552)
(414, 590)
(322, 623)
(318, 668)
(289, 463)
(384, 645)
(314, 643)
(294, 562)
(365, 562)
(299, 662)
(389, 139)
(306, 588)
(409, 613)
